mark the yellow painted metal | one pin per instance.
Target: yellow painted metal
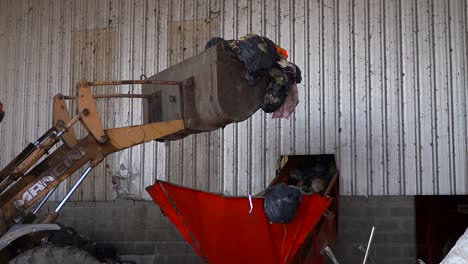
(89, 114)
(126, 137)
(61, 117)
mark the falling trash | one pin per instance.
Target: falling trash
(292, 99)
(276, 92)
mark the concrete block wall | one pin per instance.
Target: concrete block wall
(143, 234)
(394, 239)
(137, 229)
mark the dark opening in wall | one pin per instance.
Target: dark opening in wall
(440, 221)
(300, 170)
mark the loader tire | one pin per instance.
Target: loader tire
(53, 254)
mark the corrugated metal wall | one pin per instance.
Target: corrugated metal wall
(385, 88)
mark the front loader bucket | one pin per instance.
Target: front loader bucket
(222, 229)
(215, 93)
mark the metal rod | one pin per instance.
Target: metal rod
(98, 96)
(5, 183)
(368, 245)
(44, 137)
(73, 189)
(43, 201)
(107, 83)
(361, 249)
(40, 150)
(68, 125)
(330, 254)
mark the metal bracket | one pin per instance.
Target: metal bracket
(89, 114)
(61, 117)
(17, 231)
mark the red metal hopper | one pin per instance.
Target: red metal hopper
(222, 229)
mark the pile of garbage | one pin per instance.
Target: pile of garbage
(263, 58)
(313, 178)
(282, 200)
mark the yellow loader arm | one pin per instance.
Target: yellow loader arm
(200, 94)
(24, 183)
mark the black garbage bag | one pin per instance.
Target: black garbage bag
(281, 203)
(214, 41)
(289, 72)
(261, 59)
(276, 92)
(258, 55)
(293, 73)
(298, 74)
(227, 47)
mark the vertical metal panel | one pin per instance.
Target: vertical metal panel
(375, 95)
(345, 153)
(384, 88)
(458, 28)
(408, 53)
(392, 117)
(360, 86)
